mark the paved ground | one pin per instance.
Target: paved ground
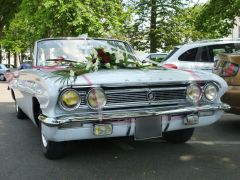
(213, 153)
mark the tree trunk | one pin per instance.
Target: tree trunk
(15, 59)
(22, 57)
(153, 26)
(0, 55)
(31, 53)
(1, 27)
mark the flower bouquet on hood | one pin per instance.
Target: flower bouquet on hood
(99, 59)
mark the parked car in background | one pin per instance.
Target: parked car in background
(3, 70)
(10, 66)
(79, 90)
(26, 65)
(156, 57)
(200, 54)
(228, 67)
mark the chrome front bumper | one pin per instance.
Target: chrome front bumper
(133, 113)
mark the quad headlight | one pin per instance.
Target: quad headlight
(69, 99)
(96, 98)
(210, 92)
(193, 93)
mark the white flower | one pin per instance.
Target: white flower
(72, 73)
(130, 60)
(106, 48)
(108, 65)
(95, 53)
(95, 65)
(95, 68)
(115, 67)
(117, 61)
(89, 65)
(129, 65)
(119, 55)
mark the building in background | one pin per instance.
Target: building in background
(235, 34)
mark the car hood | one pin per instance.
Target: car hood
(133, 76)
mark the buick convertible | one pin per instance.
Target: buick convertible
(82, 88)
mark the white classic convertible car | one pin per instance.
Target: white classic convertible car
(81, 88)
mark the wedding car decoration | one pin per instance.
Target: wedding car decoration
(82, 88)
(98, 59)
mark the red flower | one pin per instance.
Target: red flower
(106, 59)
(101, 53)
(93, 61)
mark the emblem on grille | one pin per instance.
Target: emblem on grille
(150, 96)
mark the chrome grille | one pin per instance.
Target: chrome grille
(140, 97)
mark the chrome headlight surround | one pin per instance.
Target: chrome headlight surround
(193, 93)
(211, 92)
(63, 105)
(100, 97)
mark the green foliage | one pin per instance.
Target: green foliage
(175, 24)
(7, 13)
(154, 23)
(218, 16)
(147, 24)
(38, 19)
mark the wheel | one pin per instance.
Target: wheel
(51, 149)
(20, 114)
(2, 78)
(178, 136)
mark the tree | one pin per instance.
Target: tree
(164, 24)
(7, 11)
(218, 16)
(153, 20)
(38, 19)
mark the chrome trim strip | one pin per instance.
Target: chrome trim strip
(144, 85)
(133, 113)
(143, 89)
(144, 103)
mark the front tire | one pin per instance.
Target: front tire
(20, 114)
(178, 136)
(2, 77)
(51, 149)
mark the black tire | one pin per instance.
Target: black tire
(2, 77)
(178, 136)
(20, 114)
(51, 149)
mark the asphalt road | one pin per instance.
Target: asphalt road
(213, 153)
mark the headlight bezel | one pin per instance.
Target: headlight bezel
(60, 100)
(104, 102)
(204, 91)
(200, 94)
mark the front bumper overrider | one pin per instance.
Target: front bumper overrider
(126, 113)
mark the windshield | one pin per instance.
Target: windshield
(76, 50)
(171, 53)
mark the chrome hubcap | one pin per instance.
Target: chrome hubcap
(44, 141)
(16, 107)
(1, 77)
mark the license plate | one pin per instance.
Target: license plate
(148, 127)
